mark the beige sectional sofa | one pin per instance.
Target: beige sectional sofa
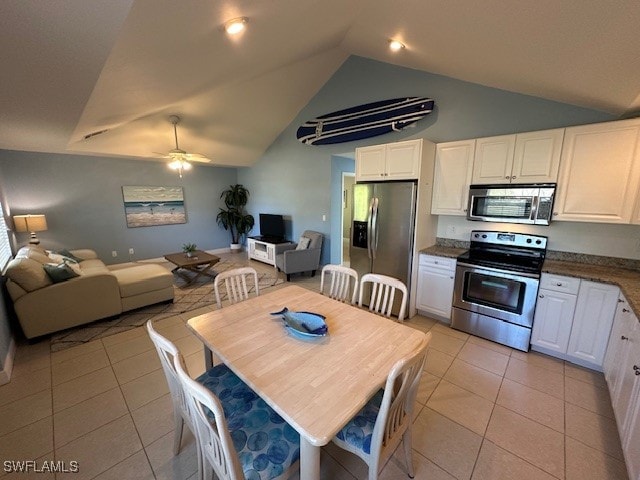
(99, 291)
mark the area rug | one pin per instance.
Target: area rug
(187, 297)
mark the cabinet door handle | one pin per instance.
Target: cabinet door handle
(559, 284)
(540, 296)
(513, 178)
(451, 278)
(507, 177)
(636, 369)
(625, 310)
(624, 338)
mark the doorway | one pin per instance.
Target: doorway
(348, 180)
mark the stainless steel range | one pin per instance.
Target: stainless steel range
(496, 286)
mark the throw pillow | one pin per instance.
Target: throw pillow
(57, 258)
(303, 243)
(66, 253)
(60, 272)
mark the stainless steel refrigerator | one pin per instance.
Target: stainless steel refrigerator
(383, 230)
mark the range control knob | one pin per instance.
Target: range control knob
(538, 242)
(484, 236)
(528, 240)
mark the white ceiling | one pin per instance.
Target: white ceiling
(73, 67)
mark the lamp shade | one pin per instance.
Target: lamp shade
(30, 223)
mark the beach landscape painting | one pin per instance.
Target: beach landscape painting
(148, 206)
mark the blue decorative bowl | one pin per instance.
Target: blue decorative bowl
(303, 324)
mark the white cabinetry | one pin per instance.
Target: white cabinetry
(622, 372)
(531, 157)
(452, 177)
(554, 313)
(573, 319)
(592, 323)
(435, 285)
(600, 173)
(264, 251)
(391, 161)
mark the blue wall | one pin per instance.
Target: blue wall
(296, 179)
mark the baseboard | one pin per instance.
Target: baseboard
(5, 373)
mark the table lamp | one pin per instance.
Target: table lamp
(31, 224)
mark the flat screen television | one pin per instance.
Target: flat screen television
(272, 226)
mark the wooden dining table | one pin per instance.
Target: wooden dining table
(316, 385)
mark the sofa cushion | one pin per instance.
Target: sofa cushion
(28, 274)
(66, 253)
(59, 272)
(142, 279)
(59, 258)
(93, 266)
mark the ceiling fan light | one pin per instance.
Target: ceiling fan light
(395, 45)
(176, 165)
(186, 165)
(236, 25)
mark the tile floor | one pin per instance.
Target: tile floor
(484, 412)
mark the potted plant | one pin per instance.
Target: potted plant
(189, 249)
(234, 217)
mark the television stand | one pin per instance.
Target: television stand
(266, 251)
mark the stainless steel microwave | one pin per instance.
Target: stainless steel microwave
(524, 203)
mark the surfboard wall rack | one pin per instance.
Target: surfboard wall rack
(364, 121)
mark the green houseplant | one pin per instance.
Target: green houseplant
(189, 248)
(234, 217)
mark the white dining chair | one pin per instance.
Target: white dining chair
(378, 428)
(239, 435)
(236, 284)
(342, 280)
(383, 292)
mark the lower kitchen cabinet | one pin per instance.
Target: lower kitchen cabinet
(435, 286)
(553, 320)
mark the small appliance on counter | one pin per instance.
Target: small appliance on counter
(496, 285)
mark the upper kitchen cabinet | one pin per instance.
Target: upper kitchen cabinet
(600, 173)
(532, 157)
(452, 177)
(390, 161)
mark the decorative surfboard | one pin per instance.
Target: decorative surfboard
(364, 121)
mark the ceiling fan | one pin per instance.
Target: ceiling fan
(180, 159)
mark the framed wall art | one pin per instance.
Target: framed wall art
(148, 206)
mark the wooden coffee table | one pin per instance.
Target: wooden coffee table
(200, 264)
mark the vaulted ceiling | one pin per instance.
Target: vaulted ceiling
(74, 67)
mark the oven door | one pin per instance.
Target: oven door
(496, 293)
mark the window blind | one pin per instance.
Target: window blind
(5, 245)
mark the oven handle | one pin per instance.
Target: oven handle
(498, 270)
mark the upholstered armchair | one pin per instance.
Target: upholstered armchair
(303, 256)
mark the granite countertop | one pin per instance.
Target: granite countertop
(443, 251)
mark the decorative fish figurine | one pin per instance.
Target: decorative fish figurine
(304, 322)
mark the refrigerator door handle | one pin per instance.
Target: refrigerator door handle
(374, 240)
(370, 229)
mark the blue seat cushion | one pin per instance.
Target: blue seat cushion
(359, 430)
(266, 444)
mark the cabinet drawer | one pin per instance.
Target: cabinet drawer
(558, 283)
(438, 262)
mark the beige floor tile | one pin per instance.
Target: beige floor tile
(195, 364)
(112, 340)
(198, 311)
(144, 389)
(496, 347)
(475, 379)
(421, 323)
(461, 406)
(134, 346)
(351, 463)
(82, 388)
(18, 473)
(495, 463)
(447, 444)
(30, 442)
(86, 416)
(428, 384)
(189, 345)
(165, 465)
(588, 396)
(154, 420)
(31, 357)
(535, 377)
(25, 411)
(77, 351)
(136, 467)
(173, 332)
(531, 441)
(136, 366)
(330, 467)
(447, 330)
(482, 357)
(100, 449)
(78, 366)
(540, 360)
(395, 469)
(586, 463)
(594, 430)
(445, 343)
(437, 362)
(533, 404)
(585, 375)
(25, 385)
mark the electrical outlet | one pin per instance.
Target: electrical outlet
(324, 218)
(131, 251)
(114, 253)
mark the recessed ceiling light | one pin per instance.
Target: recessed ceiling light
(236, 25)
(395, 45)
